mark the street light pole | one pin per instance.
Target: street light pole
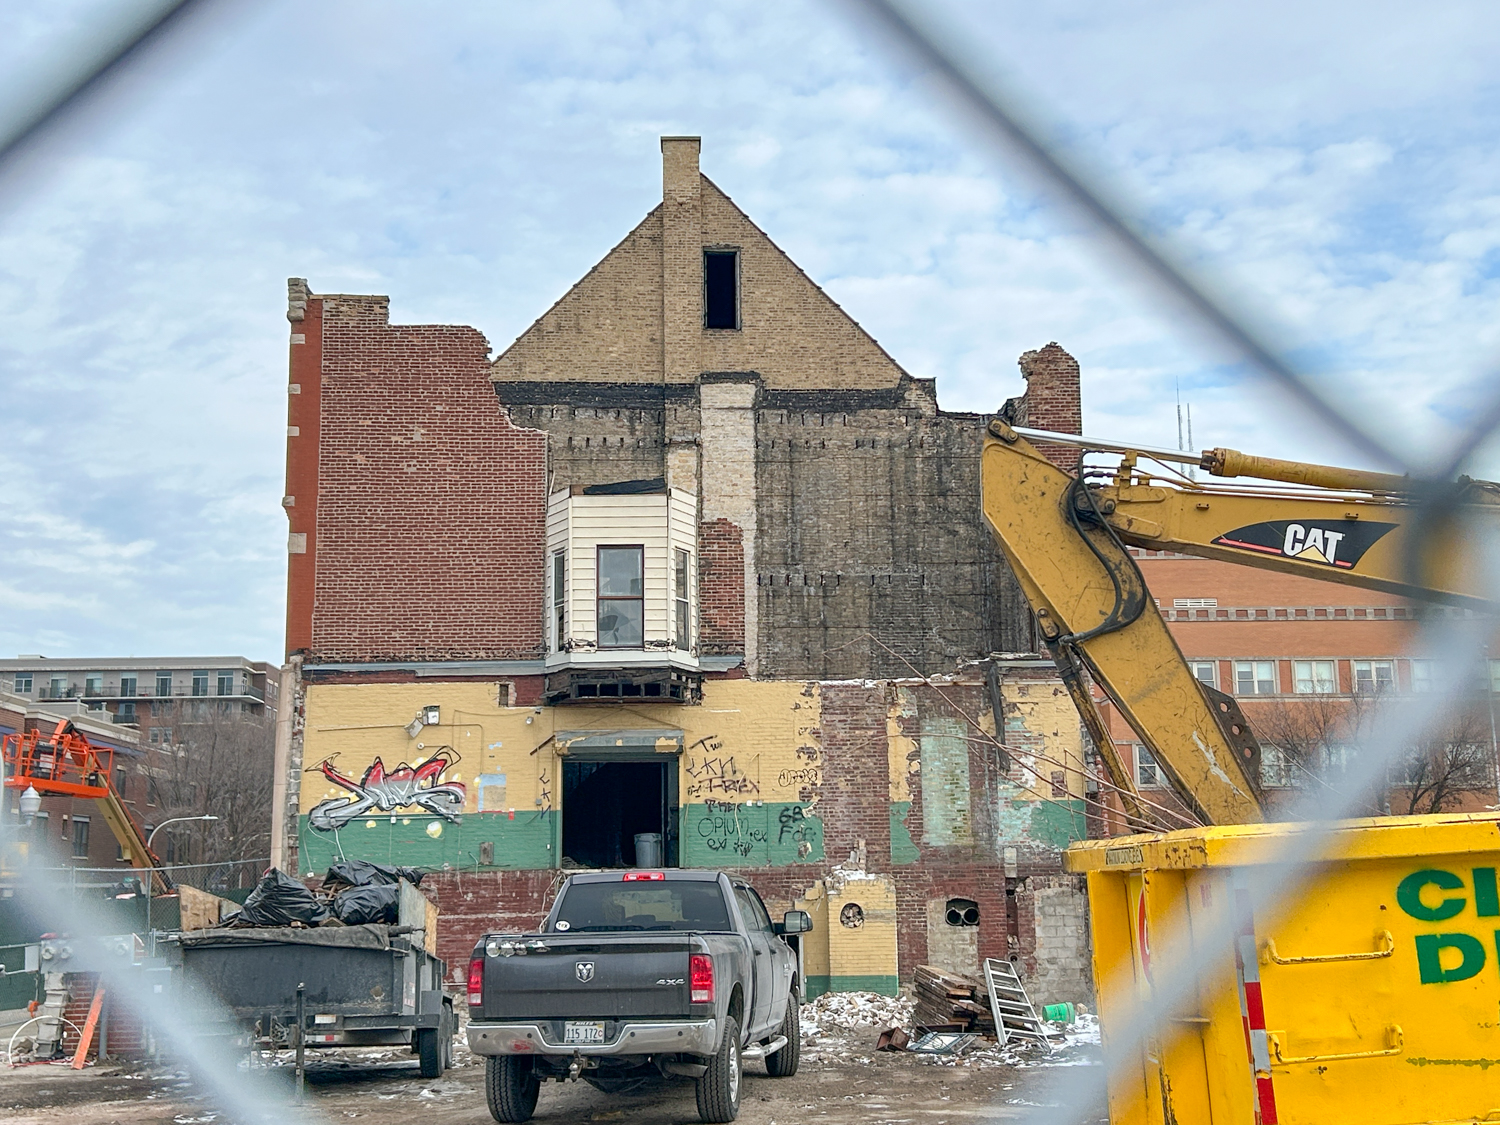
(151, 941)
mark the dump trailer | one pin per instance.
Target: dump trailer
(325, 986)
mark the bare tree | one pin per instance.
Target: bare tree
(1315, 734)
(219, 763)
(1451, 761)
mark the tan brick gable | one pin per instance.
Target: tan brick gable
(609, 328)
(606, 329)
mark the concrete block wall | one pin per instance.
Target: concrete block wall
(1053, 935)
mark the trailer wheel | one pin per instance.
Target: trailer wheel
(510, 1087)
(719, 1089)
(783, 1064)
(446, 1034)
(430, 1051)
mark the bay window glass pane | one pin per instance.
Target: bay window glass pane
(620, 572)
(621, 623)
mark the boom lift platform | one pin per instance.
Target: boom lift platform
(66, 764)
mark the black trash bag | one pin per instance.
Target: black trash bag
(363, 873)
(279, 900)
(376, 902)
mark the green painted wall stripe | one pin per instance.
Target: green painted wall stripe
(773, 834)
(526, 843)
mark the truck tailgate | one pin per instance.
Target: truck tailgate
(592, 976)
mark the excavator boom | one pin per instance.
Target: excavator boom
(1067, 540)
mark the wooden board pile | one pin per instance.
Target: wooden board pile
(951, 1002)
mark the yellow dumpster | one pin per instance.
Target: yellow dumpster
(1372, 996)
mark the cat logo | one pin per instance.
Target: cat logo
(1335, 543)
(584, 971)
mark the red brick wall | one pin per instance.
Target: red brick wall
(721, 588)
(431, 505)
(1053, 400)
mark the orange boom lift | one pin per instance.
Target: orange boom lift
(66, 764)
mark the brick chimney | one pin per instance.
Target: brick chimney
(681, 258)
(1053, 401)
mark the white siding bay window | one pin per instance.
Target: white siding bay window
(622, 585)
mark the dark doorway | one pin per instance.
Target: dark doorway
(605, 804)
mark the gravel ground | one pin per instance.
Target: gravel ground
(842, 1080)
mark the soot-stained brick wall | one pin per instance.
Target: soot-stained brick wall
(873, 555)
(431, 502)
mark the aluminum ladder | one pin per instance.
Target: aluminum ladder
(1012, 1008)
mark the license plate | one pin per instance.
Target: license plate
(579, 1031)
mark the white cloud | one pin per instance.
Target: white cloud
(1332, 164)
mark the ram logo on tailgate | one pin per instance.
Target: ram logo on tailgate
(584, 970)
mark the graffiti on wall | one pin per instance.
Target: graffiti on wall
(404, 787)
(711, 772)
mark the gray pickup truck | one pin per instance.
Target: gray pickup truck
(634, 972)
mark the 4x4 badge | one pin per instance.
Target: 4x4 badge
(584, 970)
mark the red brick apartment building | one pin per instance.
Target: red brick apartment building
(1311, 663)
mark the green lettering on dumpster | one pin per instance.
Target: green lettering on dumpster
(1409, 895)
(1486, 899)
(1430, 957)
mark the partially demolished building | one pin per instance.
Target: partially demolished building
(693, 573)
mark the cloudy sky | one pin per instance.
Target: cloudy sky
(1331, 164)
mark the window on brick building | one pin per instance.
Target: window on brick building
(683, 562)
(1421, 675)
(22, 683)
(1148, 774)
(621, 597)
(163, 684)
(1371, 676)
(1314, 677)
(559, 599)
(721, 289)
(1206, 672)
(120, 779)
(226, 683)
(127, 686)
(1255, 677)
(1278, 768)
(200, 683)
(80, 837)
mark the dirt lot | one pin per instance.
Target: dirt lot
(842, 1080)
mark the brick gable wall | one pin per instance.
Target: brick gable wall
(432, 504)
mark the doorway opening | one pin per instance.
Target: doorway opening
(606, 804)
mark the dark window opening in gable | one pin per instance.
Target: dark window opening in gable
(721, 289)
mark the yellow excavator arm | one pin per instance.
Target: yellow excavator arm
(1067, 539)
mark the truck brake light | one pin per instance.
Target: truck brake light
(642, 876)
(476, 981)
(701, 978)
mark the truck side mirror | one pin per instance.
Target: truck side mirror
(795, 922)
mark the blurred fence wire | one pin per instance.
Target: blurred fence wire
(1007, 123)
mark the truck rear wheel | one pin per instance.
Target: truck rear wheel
(719, 1089)
(511, 1087)
(783, 1064)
